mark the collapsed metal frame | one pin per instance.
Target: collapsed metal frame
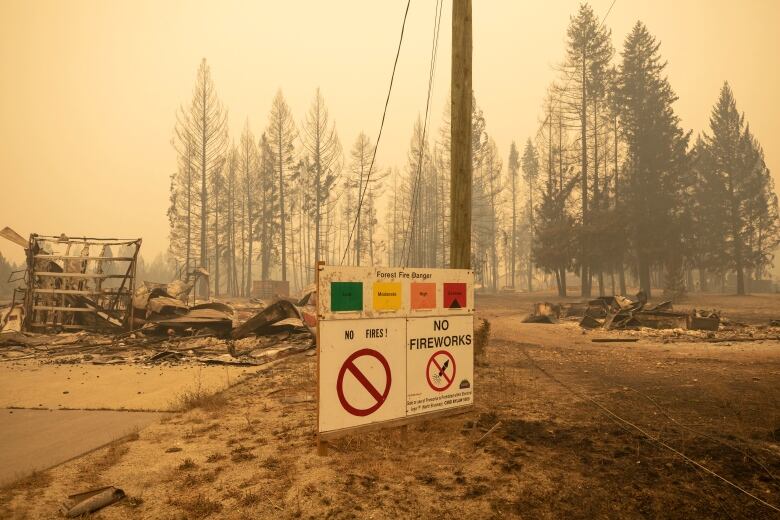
(64, 291)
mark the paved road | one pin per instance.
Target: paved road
(39, 439)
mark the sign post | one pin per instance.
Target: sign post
(394, 346)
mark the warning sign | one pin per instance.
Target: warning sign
(362, 372)
(454, 295)
(441, 370)
(393, 344)
(439, 363)
(387, 296)
(423, 296)
(346, 296)
(379, 396)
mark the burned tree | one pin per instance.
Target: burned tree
(248, 173)
(201, 136)
(513, 167)
(530, 166)
(359, 185)
(281, 134)
(323, 153)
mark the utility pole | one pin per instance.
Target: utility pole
(460, 153)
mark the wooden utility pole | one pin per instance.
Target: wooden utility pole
(460, 153)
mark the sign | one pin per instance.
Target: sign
(369, 386)
(423, 296)
(393, 344)
(346, 296)
(387, 296)
(439, 363)
(362, 372)
(455, 295)
(441, 370)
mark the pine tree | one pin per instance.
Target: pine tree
(738, 188)
(513, 167)
(323, 149)
(360, 183)
(656, 153)
(530, 165)
(269, 207)
(281, 138)
(588, 54)
(201, 137)
(248, 166)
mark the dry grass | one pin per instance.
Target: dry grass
(481, 340)
(250, 499)
(187, 465)
(36, 480)
(242, 454)
(199, 398)
(215, 457)
(93, 468)
(198, 506)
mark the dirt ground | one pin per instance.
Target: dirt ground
(569, 443)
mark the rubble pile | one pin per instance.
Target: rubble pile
(80, 303)
(625, 312)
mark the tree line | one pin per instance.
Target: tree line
(610, 192)
(269, 206)
(623, 191)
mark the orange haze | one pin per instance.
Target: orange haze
(88, 89)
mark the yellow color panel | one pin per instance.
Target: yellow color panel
(387, 296)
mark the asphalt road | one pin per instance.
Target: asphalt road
(39, 439)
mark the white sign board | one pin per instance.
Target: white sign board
(439, 363)
(361, 364)
(392, 343)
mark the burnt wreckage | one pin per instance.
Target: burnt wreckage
(78, 283)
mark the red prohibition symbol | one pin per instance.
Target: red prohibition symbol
(438, 370)
(379, 397)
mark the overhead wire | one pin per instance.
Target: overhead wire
(379, 135)
(407, 244)
(625, 424)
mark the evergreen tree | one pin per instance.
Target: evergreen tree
(530, 164)
(513, 167)
(738, 189)
(281, 134)
(323, 148)
(248, 173)
(588, 54)
(656, 149)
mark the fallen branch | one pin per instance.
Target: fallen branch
(491, 430)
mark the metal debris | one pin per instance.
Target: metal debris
(704, 320)
(77, 283)
(276, 312)
(90, 501)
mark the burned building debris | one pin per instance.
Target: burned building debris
(80, 297)
(623, 312)
(76, 283)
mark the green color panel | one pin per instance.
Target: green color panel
(346, 296)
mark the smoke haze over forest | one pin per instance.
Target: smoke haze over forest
(89, 90)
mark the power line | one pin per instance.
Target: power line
(379, 136)
(624, 423)
(416, 186)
